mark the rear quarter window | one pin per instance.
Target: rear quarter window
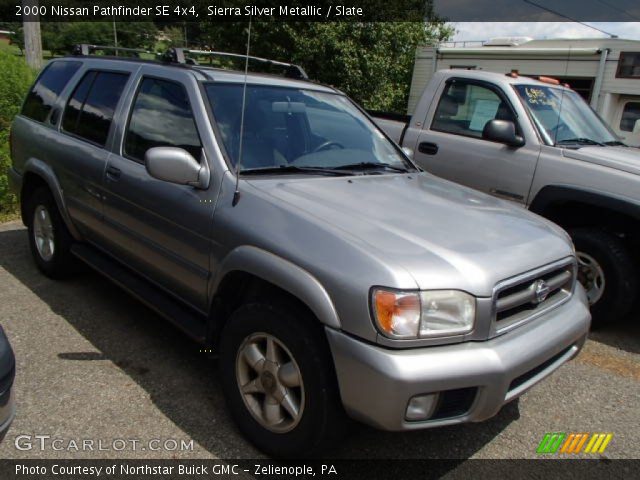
(47, 88)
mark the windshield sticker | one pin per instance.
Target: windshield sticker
(538, 96)
(483, 112)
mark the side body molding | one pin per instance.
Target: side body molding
(285, 275)
(556, 194)
(44, 171)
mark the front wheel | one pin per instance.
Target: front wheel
(607, 272)
(278, 379)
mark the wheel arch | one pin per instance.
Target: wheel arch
(572, 207)
(250, 272)
(37, 173)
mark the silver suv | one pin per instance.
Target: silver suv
(332, 275)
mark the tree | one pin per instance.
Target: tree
(60, 37)
(371, 62)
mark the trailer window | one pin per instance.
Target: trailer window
(630, 116)
(629, 65)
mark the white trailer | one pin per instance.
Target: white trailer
(605, 71)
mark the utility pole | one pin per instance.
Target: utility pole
(115, 35)
(32, 38)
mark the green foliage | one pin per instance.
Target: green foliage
(16, 80)
(60, 37)
(371, 62)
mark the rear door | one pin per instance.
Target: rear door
(160, 229)
(451, 144)
(81, 151)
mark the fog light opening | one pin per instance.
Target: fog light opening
(421, 407)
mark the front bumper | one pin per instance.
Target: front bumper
(376, 384)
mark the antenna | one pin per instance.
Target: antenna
(236, 193)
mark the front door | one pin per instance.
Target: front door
(451, 145)
(160, 229)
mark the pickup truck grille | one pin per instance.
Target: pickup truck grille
(519, 300)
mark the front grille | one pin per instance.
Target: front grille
(522, 298)
(453, 403)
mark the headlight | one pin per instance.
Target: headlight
(435, 313)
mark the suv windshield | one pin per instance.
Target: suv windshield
(563, 118)
(290, 130)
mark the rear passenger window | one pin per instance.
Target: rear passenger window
(161, 117)
(90, 109)
(44, 93)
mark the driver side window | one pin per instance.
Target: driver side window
(465, 109)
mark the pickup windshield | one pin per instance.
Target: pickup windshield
(298, 129)
(563, 118)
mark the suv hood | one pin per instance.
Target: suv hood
(621, 158)
(444, 235)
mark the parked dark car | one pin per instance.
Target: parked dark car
(7, 374)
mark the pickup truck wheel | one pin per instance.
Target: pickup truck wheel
(606, 270)
(278, 379)
(49, 240)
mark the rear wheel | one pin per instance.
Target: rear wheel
(49, 238)
(278, 379)
(607, 272)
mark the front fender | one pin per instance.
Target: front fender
(557, 194)
(46, 173)
(285, 275)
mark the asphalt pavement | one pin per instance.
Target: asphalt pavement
(94, 365)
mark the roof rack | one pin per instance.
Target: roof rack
(179, 55)
(87, 49)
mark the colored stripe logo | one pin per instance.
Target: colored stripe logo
(573, 443)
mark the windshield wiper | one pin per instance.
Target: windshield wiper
(292, 169)
(615, 143)
(580, 141)
(371, 166)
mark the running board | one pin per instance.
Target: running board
(191, 322)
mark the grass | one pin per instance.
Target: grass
(10, 216)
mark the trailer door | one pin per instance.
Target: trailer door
(627, 120)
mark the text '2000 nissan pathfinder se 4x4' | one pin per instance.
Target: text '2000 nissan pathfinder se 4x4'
(333, 277)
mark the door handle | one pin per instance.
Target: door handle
(113, 173)
(428, 148)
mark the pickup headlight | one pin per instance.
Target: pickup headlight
(434, 313)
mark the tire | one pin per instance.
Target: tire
(298, 336)
(602, 253)
(49, 239)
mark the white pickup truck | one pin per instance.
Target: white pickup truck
(537, 143)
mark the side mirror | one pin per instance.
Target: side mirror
(176, 165)
(502, 131)
(408, 152)
(636, 127)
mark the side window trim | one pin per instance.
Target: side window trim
(479, 83)
(136, 90)
(69, 97)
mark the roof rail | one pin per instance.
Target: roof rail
(86, 49)
(179, 55)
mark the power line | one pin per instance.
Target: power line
(621, 10)
(569, 18)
